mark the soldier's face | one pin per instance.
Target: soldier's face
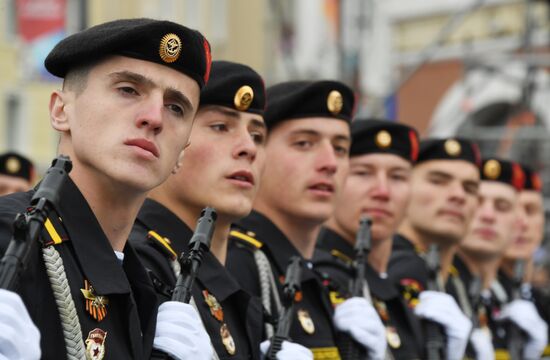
(378, 186)
(11, 184)
(530, 230)
(443, 198)
(130, 123)
(223, 163)
(306, 164)
(495, 219)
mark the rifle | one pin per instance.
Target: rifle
(291, 286)
(513, 332)
(199, 245)
(435, 342)
(474, 293)
(349, 349)
(29, 224)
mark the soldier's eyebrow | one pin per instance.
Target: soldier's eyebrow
(258, 124)
(170, 92)
(235, 114)
(440, 174)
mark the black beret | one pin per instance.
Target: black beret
(532, 179)
(13, 164)
(383, 136)
(306, 99)
(236, 86)
(162, 42)
(449, 149)
(504, 171)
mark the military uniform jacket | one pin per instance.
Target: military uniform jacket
(313, 309)
(241, 313)
(407, 269)
(126, 324)
(333, 256)
(542, 302)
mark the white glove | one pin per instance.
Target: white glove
(19, 337)
(483, 344)
(180, 332)
(524, 314)
(289, 351)
(443, 309)
(358, 317)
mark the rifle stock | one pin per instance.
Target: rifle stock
(435, 341)
(349, 349)
(28, 225)
(199, 245)
(291, 286)
(514, 334)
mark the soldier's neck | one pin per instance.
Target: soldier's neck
(422, 241)
(115, 206)
(190, 214)
(301, 232)
(484, 267)
(380, 250)
(379, 255)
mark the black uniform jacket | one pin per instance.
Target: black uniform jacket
(407, 269)
(333, 255)
(241, 312)
(130, 317)
(315, 303)
(542, 302)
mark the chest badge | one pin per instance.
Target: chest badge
(96, 305)
(306, 321)
(217, 312)
(392, 336)
(95, 344)
(227, 340)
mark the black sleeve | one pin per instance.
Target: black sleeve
(408, 273)
(156, 262)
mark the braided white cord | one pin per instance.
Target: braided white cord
(268, 288)
(65, 304)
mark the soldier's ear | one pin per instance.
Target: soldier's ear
(58, 111)
(180, 159)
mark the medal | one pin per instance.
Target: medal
(306, 321)
(393, 337)
(95, 344)
(215, 307)
(96, 305)
(217, 312)
(382, 310)
(227, 339)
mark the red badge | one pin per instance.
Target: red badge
(95, 344)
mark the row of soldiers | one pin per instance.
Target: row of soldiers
(290, 176)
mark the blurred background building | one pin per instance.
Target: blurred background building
(475, 68)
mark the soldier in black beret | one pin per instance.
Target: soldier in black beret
(444, 186)
(526, 241)
(306, 163)
(221, 169)
(16, 173)
(491, 232)
(130, 93)
(381, 158)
